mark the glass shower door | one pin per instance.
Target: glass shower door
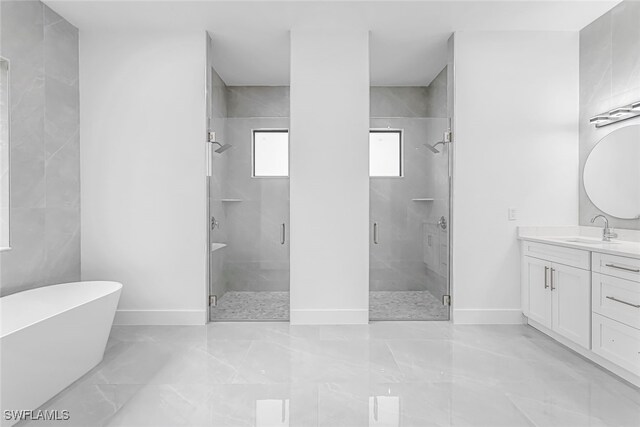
(409, 219)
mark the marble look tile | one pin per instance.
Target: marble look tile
(88, 404)
(278, 332)
(160, 334)
(60, 48)
(397, 262)
(62, 174)
(385, 373)
(609, 77)
(437, 96)
(265, 405)
(625, 56)
(43, 50)
(27, 174)
(22, 266)
(62, 245)
(62, 115)
(575, 404)
(410, 330)
(595, 60)
(166, 405)
(257, 101)
(398, 101)
(218, 95)
(343, 404)
(22, 42)
(255, 260)
(310, 361)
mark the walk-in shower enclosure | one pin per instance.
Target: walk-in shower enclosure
(409, 202)
(248, 193)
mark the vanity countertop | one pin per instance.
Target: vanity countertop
(583, 239)
(616, 247)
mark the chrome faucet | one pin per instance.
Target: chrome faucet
(607, 233)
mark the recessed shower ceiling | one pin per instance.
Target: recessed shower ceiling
(408, 39)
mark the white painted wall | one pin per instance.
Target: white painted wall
(143, 171)
(329, 176)
(516, 145)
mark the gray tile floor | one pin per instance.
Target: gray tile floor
(267, 306)
(385, 373)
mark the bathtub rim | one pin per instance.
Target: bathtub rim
(117, 287)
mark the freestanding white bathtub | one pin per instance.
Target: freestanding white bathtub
(50, 337)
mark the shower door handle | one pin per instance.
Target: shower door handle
(284, 234)
(375, 233)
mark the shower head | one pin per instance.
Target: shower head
(223, 147)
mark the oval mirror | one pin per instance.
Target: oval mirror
(612, 173)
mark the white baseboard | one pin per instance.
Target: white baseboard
(160, 317)
(330, 317)
(497, 316)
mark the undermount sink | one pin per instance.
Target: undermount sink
(585, 241)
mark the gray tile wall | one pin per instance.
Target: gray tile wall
(410, 101)
(257, 101)
(406, 258)
(217, 113)
(609, 77)
(254, 259)
(45, 151)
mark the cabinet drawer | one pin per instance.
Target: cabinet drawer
(617, 343)
(616, 298)
(567, 256)
(617, 266)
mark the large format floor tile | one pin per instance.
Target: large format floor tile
(381, 374)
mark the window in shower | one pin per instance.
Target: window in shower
(270, 153)
(385, 153)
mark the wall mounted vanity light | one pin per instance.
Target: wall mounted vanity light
(616, 115)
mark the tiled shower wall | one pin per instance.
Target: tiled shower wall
(255, 259)
(609, 78)
(216, 113)
(45, 148)
(406, 258)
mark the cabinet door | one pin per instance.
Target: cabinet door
(535, 276)
(571, 290)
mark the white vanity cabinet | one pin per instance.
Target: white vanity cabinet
(616, 310)
(556, 289)
(587, 300)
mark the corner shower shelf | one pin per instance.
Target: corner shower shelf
(422, 200)
(216, 246)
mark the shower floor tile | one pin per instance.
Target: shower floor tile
(406, 305)
(251, 306)
(383, 305)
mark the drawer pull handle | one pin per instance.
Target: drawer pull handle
(633, 270)
(623, 302)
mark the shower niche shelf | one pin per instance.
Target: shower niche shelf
(231, 200)
(422, 200)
